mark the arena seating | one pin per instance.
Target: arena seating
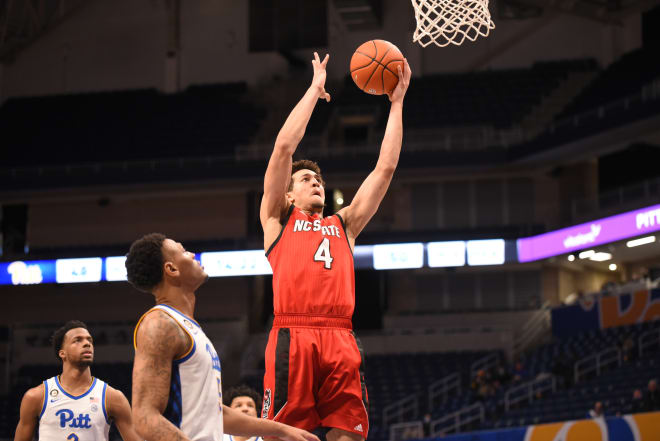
(613, 387)
(498, 98)
(213, 119)
(393, 377)
(389, 378)
(615, 98)
(127, 125)
(624, 77)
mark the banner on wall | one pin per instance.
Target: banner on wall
(590, 234)
(637, 427)
(606, 312)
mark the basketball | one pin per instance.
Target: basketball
(374, 66)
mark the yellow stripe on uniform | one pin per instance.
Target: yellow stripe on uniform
(192, 340)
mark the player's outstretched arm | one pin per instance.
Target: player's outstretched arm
(119, 411)
(238, 424)
(159, 341)
(373, 189)
(31, 406)
(278, 173)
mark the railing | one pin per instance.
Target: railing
(614, 200)
(453, 422)
(527, 391)
(536, 327)
(409, 430)
(596, 362)
(443, 139)
(648, 339)
(485, 363)
(443, 387)
(399, 411)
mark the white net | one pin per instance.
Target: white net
(445, 22)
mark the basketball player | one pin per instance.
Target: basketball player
(177, 387)
(74, 406)
(243, 399)
(314, 372)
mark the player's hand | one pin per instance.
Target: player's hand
(402, 86)
(320, 75)
(295, 434)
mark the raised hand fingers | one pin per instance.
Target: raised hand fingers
(316, 57)
(408, 71)
(324, 63)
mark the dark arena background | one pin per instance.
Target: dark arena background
(507, 282)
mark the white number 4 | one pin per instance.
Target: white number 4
(323, 254)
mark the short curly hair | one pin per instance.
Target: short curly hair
(58, 336)
(242, 391)
(144, 262)
(304, 164)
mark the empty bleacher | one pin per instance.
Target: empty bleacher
(126, 125)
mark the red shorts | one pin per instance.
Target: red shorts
(315, 375)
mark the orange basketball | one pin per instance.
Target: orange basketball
(374, 66)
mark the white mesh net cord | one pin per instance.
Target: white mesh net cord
(445, 22)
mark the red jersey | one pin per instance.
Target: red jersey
(312, 264)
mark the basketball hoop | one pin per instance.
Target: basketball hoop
(445, 22)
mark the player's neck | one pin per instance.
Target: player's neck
(75, 379)
(181, 300)
(311, 211)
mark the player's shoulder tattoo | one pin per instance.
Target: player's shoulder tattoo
(159, 332)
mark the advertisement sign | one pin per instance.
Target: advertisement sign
(31, 272)
(446, 254)
(78, 270)
(598, 232)
(485, 252)
(636, 427)
(115, 268)
(398, 256)
(235, 263)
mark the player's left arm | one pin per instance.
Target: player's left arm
(373, 189)
(239, 424)
(119, 411)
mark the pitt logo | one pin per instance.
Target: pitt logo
(326, 230)
(66, 416)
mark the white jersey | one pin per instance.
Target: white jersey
(195, 402)
(229, 437)
(74, 418)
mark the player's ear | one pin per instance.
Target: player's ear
(62, 354)
(170, 269)
(289, 197)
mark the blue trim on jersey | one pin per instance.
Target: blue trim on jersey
(105, 414)
(190, 354)
(179, 312)
(73, 397)
(174, 410)
(43, 408)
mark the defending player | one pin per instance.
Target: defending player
(246, 400)
(314, 373)
(74, 406)
(177, 385)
